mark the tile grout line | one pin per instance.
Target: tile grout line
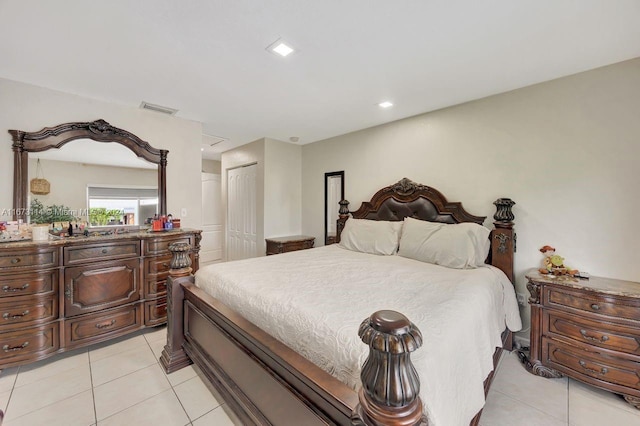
(93, 393)
(530, 406)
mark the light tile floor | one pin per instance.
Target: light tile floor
(122, 383)
(117, 383)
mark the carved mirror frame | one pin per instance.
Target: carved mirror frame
(56, 137)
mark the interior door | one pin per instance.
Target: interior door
(211, 244)
(241, 215)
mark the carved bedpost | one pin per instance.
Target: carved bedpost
(173, 356)
(390, 385)
(503, 237)
(343, 215)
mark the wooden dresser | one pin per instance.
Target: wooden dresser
(588, 330)
(279, 245)
(63, 294)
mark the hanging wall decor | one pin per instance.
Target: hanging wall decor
(38, 185)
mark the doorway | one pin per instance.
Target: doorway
(211, 244)
(241, 212)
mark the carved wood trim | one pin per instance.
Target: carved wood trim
(405, 191)
(173, 355)
(390, 385)
(534, 290)
(58, 136)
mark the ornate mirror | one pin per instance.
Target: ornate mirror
(333, 193)
(82, 133)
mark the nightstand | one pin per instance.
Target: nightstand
(279, 245)
(588, 330)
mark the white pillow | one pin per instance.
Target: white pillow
(460, 246)
(371, 236)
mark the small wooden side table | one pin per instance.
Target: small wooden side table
(279, 245)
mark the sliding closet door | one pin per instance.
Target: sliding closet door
(241, 204)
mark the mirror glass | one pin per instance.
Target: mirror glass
(99, 183)
(333, 193)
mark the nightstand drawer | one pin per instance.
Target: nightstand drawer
(618, 307)
(607, 335)
(589, 367)
(286, 244)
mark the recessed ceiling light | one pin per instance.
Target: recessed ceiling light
(201, 149)
(385, 104)
(280, 47)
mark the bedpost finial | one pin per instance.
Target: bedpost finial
(390, 384)
(181, 261)
(504, 216)
(344, 207)
(390, 331)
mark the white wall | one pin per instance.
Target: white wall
(211, 166)
(30, 108)
(279, 188)
(282, 189)
(69, 180)
(566, 151)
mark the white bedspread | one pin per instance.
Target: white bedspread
(314, 300)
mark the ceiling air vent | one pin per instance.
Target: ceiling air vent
(158, 108)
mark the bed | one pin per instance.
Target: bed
(232, 319)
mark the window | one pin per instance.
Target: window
(109, 206)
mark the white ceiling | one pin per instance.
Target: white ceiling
(207, 58)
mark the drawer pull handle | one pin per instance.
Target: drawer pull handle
(8, 289)
(602, 371)
(603, 339)
(104, 251)
(106, 324)
(8, 348)
(7, 315)
(16, 260)
(595, 306)
(165, 264)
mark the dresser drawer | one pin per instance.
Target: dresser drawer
(158, 265)
(28, 344)
(161, 245)
(102, 326)
(603, 334)
(26, 284)
(155, 312)
(154, 288)
(22, 259)
(74, 255)
(28, 312)
(618, 307)
(592, 368)
(101, 286)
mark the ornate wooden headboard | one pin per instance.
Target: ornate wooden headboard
(409, 199)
